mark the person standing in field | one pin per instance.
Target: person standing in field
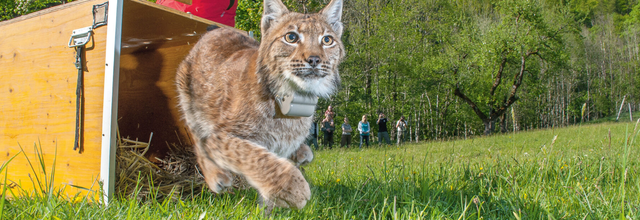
(402, 127)
(328, 128)
(313, 135)
(383, 133)
(346, 133)
(364, 129)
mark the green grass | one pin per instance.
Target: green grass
(586, 173)
(624, 117)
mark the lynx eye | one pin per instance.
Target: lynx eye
(327, 40)
(291, 37)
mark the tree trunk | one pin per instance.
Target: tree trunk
(503, 123)
(496, 111)
(488, 126)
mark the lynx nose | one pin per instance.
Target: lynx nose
(313, 61)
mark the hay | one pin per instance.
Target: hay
(177, 176)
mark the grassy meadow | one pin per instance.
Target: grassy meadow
(580, 172)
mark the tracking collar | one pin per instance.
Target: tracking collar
(296, 105)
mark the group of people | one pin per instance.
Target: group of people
(364, 129)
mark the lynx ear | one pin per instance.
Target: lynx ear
(333, 15)
(273, 9)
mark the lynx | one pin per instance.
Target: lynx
(228, 86)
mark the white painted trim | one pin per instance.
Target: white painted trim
(110, 100)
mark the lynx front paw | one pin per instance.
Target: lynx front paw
(217, 178)
(219, 181)
(293, 194)
(302, 156)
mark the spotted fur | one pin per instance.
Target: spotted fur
(227, 87)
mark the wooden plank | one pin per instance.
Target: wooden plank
(37, 96)
(44, 11)
(188, 2)
(149, 25)
(153, 26)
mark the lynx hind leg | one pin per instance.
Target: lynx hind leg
(276, 179)
(302, 156)
(217, 178)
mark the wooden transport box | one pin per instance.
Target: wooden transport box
(129, 67)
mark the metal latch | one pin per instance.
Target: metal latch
(80, 37)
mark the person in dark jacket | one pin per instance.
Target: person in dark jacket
(383, 133)
(328, 127)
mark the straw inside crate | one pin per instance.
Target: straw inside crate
(177, 176)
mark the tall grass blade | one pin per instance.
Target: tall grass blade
(4, 183)
(37, 183)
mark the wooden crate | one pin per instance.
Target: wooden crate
(128, 80)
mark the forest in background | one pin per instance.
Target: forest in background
(469, 67)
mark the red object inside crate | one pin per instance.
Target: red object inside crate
(221, 11)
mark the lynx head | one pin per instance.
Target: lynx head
(301, 52)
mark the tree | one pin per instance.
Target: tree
(13, 8)
(505, 50)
